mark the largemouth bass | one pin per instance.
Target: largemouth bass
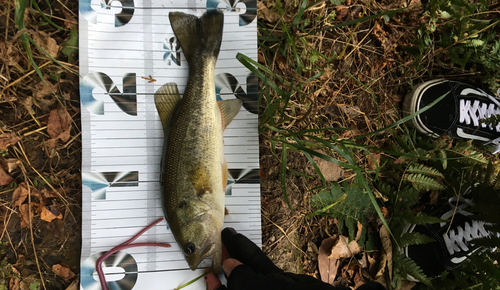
(194, 167)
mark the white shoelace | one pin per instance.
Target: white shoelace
(474, 111)
(455, 240)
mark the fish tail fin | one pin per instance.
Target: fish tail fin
(198, 36)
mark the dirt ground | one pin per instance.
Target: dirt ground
(40, 146)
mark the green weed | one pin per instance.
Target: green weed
(441, 168)
(468, 32)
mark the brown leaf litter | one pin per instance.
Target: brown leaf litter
(8, 139)
(48, 43)
(5, 179)
(64, 272)
(21, 198)
(59, 124)
(330, 171)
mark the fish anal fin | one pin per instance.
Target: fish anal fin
(229, 109)
(166, 99)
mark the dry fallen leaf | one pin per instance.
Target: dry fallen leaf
(11, 164)
(351, 111)
(415, 3)
(434, 196)
(20, 194)
(28, 104)
(65, 272)
(5, 179)
(48, 43)
(25, 216)
(374, 160)
(49, 213)
(264, 12)
(328, 268)
(62, 191)
(15, 282)
(70, 19)
(331, 171)
(372, 261)
(381, 266)
(44, 89)
(8, 139)
(75, 284)
(342, 11)
(8, 55)
(59, 124)
(344, 250)
(387, 247)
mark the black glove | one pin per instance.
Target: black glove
(259, 273)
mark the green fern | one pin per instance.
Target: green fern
(474, 43)
(349, 204)
(415, 238)
(405, 266)
(443, 158)
(474, 158)
(408, 217)
(447, 168)
(425, 170)
(422, 182)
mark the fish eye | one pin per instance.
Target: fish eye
(189, 248)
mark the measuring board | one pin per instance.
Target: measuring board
(127, 52)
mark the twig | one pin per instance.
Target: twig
(21, 78)
(30, 224)
(284, 233)
(354, 30)
(71, 141)
(34, 131)
(5, 231)
(7, 21)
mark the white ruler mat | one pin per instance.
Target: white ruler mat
(121, 42)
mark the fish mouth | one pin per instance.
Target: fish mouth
(205, 251)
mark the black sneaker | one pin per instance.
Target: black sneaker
(452, 243)
(457, 115)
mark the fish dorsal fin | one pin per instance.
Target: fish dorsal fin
(229, 109)
(166, 99)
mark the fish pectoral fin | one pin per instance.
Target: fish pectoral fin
(229, 109)
(166, 99)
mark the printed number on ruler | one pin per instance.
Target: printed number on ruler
(245, 18)
(99, 181)
(249, 99)
(123, 17)
(173, 53)
(126, 101)
(121, 263)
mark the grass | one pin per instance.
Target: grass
(303, 77)
(35, 80)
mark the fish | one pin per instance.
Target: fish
(194, 169)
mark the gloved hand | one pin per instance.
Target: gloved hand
(248, 268)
